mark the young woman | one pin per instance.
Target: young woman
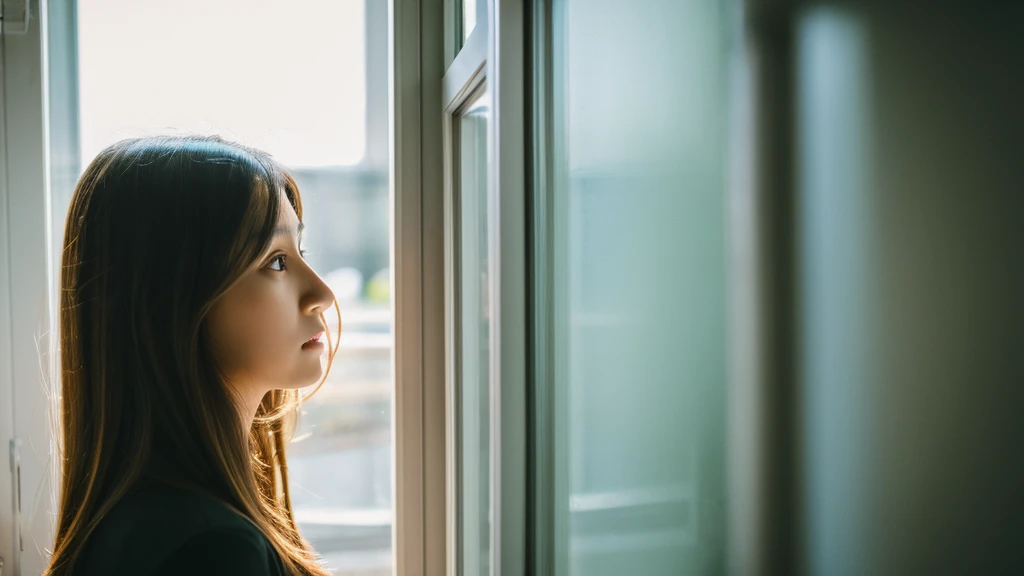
(189, 321)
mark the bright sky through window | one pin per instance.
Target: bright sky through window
(286, 77)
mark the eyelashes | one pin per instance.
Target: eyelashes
(283, 260)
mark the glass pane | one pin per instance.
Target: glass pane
(474, 281)
(468, 18)
(316, 98)
(636, 213)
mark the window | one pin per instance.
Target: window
(308, 85)
(41, 151)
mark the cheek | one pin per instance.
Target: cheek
(249, 333)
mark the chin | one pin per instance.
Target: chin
(310, 378)
(300, 383)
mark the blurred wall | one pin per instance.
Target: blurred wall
(897, 130)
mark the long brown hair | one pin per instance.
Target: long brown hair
(158, 229)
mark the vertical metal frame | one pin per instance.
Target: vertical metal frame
(495, 51)
(462, 85)
(506, 64)
(9, 528)
(26, 297)
(417, 242)
(548, 501)
(452, 352)
(540, 545)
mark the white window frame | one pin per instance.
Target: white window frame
(506, 73)
(417, 244)
(463, 83)
(494, 53)
(27, 296)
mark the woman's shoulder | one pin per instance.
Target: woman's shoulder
(161, 529)
(221, 551)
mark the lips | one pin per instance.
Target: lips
(315, 339)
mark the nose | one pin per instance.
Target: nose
(318, 296)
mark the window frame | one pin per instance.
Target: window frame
(467, 86)
(499, 59)
(417, 244)
(454, 42)
(27, 298)
(506, 23)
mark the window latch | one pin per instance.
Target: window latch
(15, 447)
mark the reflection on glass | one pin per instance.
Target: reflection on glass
(638, 287)
(321, 119)
(474, 280)
(468, 18)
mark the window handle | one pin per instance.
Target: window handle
(15, 447)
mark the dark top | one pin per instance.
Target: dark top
(159, 530)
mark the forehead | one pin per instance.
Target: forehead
(288, 224)
(286, 215)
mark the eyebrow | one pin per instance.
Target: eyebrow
(288, 230)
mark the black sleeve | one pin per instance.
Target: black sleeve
(221, 552)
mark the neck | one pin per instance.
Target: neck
(248, 402)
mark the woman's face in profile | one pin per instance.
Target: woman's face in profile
(260, 329)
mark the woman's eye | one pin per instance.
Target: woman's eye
(278, 259)
(279, 263)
